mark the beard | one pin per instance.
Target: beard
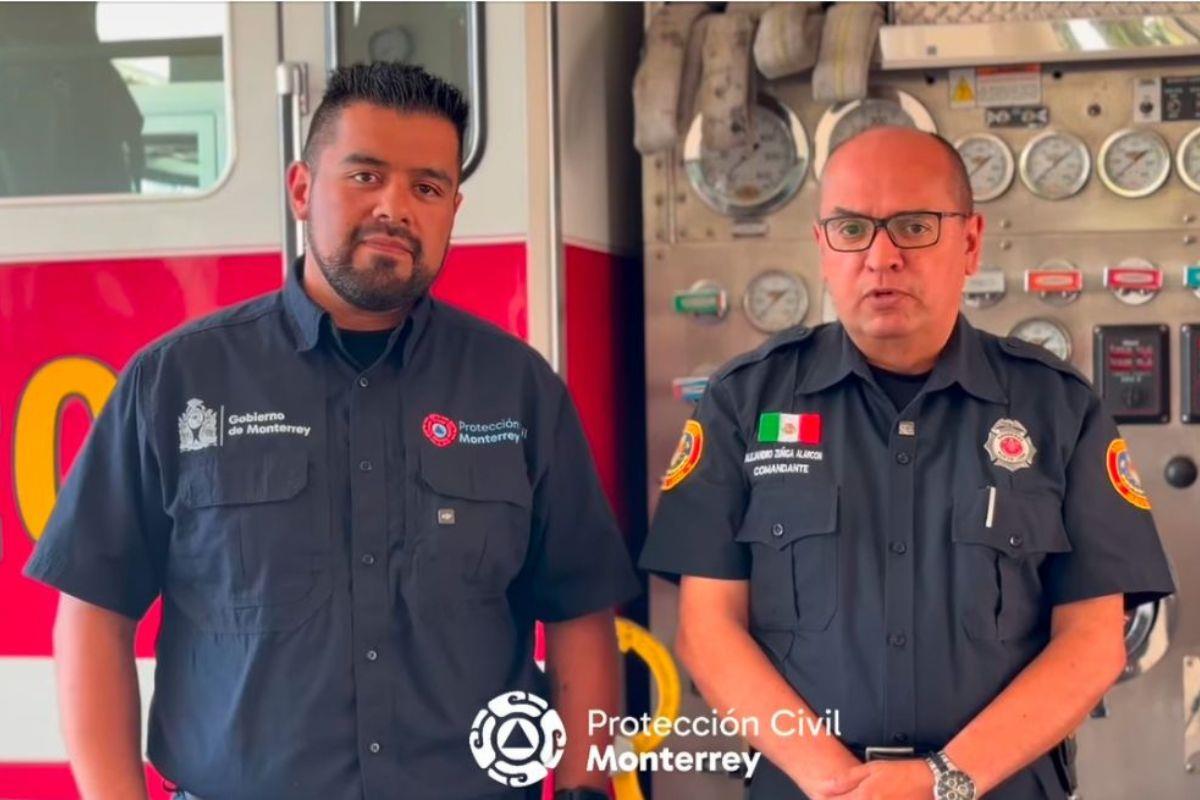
(377, 287)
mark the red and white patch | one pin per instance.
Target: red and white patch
(1009, 446)
(440, 430)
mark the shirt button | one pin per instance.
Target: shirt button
(374, 747)
(372, 655)
(897, 640)
(363, 381)
(777, 529)
(900, 738)
(899, 548)
(903, 458)
(1016, 540)
(364, 466)
(368, 559)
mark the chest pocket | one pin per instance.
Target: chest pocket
(471, 518)
(1000, 543)
(791, 529)
(250, 552)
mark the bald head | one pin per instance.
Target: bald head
(900, 158)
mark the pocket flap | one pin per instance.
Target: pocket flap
(1021, 522)
(263, 478)
(782, 513)
(477, 476)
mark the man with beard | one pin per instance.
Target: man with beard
(352, 559)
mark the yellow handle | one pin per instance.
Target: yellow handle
(632, 637)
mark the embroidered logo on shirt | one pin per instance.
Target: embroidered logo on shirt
(789, 428)
(687, 455)
(197, 427)
(1009, 446)
(201, 427)
(1124, 476)
(440, 430)
(443, 431)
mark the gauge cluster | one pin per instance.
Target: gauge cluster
(755, 180)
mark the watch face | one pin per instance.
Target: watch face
(955, 786)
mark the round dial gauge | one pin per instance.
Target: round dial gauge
(1134, 162)
(1055, 165)
(1047, 333)
(989, 163)
(755, 179)
(886, 107)
(775, 300)
(1187, 160)
(390, 44)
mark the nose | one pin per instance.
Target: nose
(883, 255)
(394, 204)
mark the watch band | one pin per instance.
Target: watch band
(580, 794)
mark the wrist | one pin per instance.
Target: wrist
(581, 793)
(949, 782)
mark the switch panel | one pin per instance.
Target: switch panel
(1189, 375)
(1132, 372)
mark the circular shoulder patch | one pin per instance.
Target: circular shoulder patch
(1124, 476)
(687, 455)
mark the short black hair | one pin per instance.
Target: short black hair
(401, 87)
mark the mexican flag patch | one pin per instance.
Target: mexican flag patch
(799, 428)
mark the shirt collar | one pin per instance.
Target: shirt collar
(962, 361)
(307, 317)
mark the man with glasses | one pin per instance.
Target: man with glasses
(927, 529)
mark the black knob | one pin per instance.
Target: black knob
(1146, 107)
(1180, 472)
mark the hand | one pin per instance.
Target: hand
(881, 780)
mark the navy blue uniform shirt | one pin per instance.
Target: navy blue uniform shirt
(351, 560)
(903, 564)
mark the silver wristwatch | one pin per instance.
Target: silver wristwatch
(949, 782)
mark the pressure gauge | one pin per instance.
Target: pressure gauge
(989, 163)
(1055, 165)
(1044, 332)
(391, 44)
(1134, 162)
(883, 107)
(775, 300)
(1187, 160)
(755, 179)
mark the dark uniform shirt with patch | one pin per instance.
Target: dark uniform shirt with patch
(899, 573)
(351, 561)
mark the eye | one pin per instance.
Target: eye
(850, 228)
(365, 178)
(915, 227)
(428, 190)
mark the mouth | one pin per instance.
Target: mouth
(389, 245)
(882, 294)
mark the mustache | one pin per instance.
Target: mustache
(400, 232)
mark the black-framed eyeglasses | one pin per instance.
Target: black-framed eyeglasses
(908, 230)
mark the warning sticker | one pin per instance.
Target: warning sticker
(962, 88)
(1009, 86)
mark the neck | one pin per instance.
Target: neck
(907, 355)
(346, 316)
